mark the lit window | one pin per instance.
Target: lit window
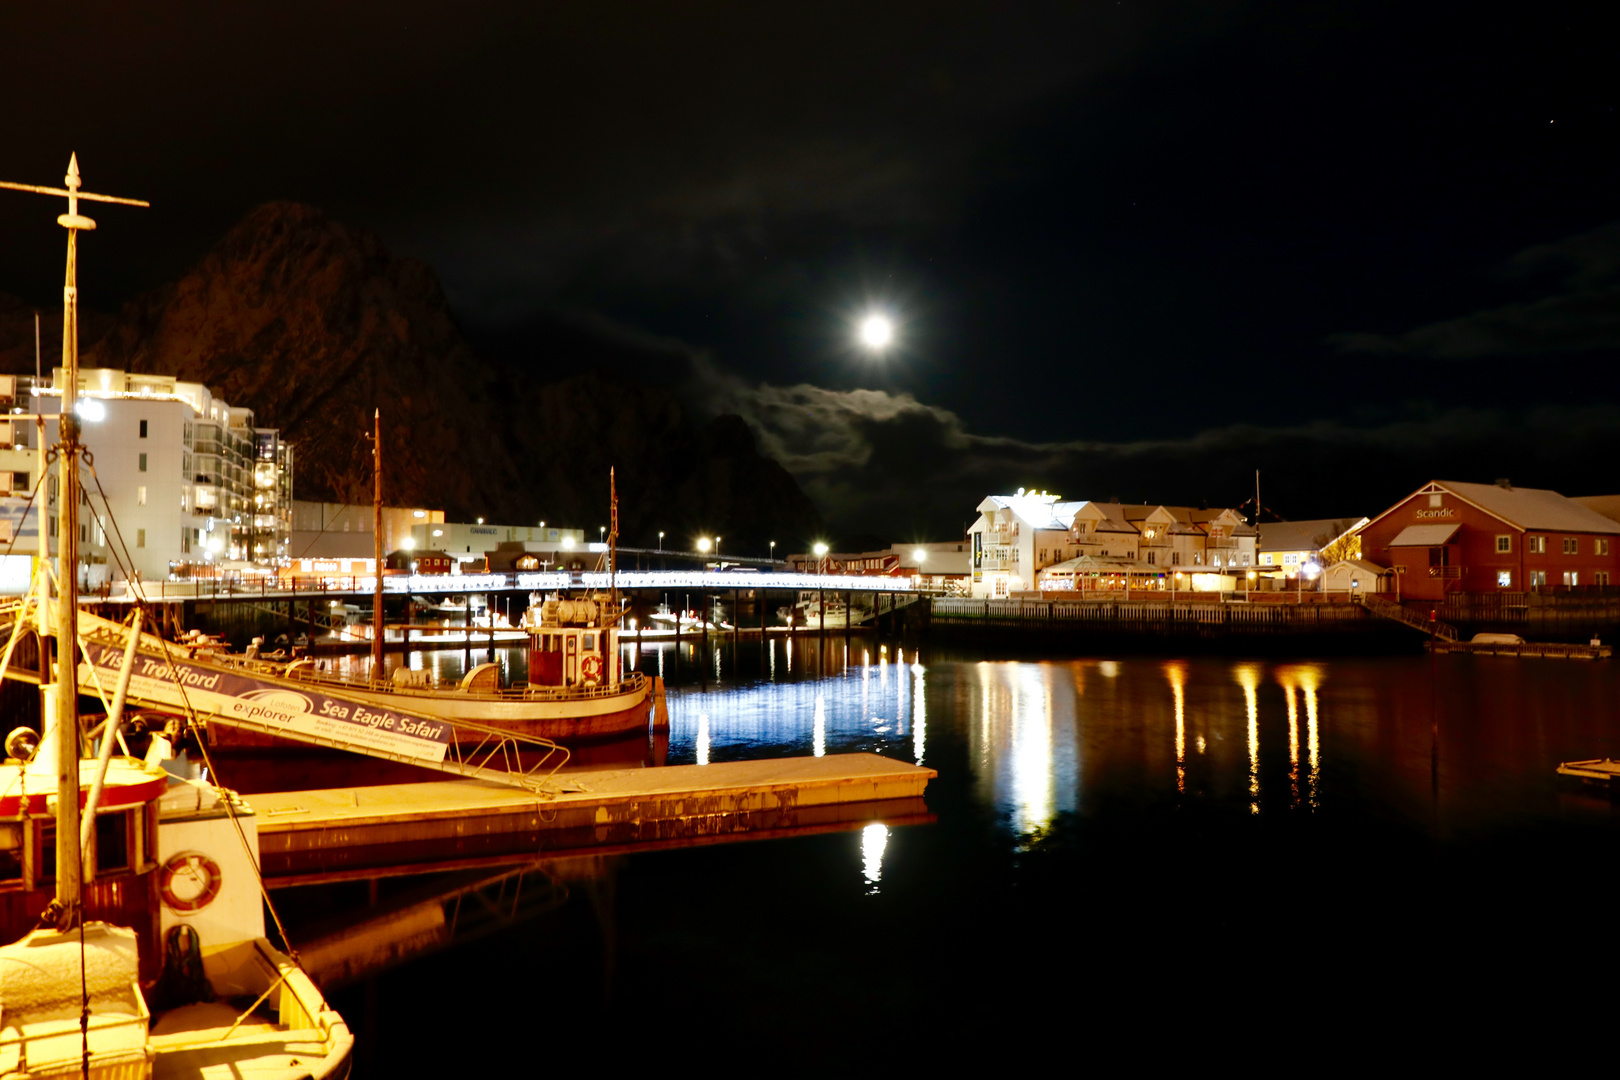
(1535, 545)
(1538, 579)
(1504, 579)
(140, 495)
(140, 538)
(1600, 546)
(1572, 577)
(1504, 543)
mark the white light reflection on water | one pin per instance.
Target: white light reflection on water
(1027, 750)
(1177, 673)
(703, 739)
(919, 718)
(874, 838)
(1248, 677)
(819, 738)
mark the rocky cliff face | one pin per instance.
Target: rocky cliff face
(314, 325)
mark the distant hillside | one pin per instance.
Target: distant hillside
(314, 325)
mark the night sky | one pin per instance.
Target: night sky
(1133, 249)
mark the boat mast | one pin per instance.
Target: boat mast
(64, 911)
(377, 547)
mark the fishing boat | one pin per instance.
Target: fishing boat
(812, 612)
(149, 954)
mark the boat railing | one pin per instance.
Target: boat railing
(632, 683)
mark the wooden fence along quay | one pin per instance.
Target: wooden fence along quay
(1184, 622)
(1364, 622)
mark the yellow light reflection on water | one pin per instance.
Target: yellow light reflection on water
(1310, 678)
(1287, 679)
(874, 839)
(703, 739)
(1177, 674)
(1248, 677)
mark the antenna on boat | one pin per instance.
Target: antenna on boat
(377, 547)
(613, 540)
(63, 911)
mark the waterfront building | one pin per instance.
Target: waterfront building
(474, 543)
(1104, 546)
(21, 505)
(324, 530)
(934, 564)
(1449, 536)
(1286, 547)
(188, 480)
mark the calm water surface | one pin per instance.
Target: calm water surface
(1261, 864)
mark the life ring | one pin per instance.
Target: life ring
(198, 878)
(590, 670)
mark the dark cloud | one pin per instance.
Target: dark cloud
(884, 463)
(1582, 316)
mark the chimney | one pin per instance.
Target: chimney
(1504, 483)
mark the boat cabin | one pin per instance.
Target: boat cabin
(572, 643)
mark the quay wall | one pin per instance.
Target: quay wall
(1534, 616)
(1155, 625)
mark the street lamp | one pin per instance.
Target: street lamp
(660, 540)
(601, 534)
(717, 547)
(821, 557)
(773, 554)
(703, 544)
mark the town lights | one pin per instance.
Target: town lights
(704, 544)
(409, 543)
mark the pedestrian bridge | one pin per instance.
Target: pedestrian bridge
(523, 581)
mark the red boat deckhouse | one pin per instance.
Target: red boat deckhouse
(1454, 537)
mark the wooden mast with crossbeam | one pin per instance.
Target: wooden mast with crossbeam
(64, 911)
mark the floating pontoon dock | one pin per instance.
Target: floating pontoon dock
(1597, 771)
(394, 825)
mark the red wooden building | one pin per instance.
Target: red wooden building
(1454, 537)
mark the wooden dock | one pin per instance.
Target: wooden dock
(1551, 649)
(393, 826)
(1604, 772)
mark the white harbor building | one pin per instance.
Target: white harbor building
(190, 482)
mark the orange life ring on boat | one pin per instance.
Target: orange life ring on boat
(189, 881)
(590, 670)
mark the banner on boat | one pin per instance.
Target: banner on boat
(270, 706)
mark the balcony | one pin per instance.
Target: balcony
(1446, 573)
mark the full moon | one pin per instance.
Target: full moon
(876, 332)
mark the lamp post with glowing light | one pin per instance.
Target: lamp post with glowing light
(821, 557)
(773, 554)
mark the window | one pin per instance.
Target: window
(1245, 558)
(140, 495)
(140, 540)
(1265, 559)
(1600, 578)
(1572, 546)
(1504, 544)
(1600, 546)
(1538, 579)
(1434, 498)
(1504, 579)
(1535, 545)
(143, 429)
(1572, 577)
(1175, 558)
(20, 481)
(143, 463)
(1151, 560)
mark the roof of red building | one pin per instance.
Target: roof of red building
(1525, 508)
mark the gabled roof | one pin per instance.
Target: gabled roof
(1525, 508)
(1607, 505)
(1302, 535)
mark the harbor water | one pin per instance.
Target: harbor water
(1245, 863)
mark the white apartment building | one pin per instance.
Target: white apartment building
(188, 482)
(1018, 537)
